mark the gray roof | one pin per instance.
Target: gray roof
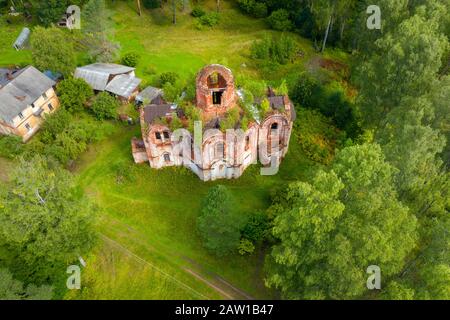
(99, 74)
(149, 94)
(123, 85)
(276, 102)
(25, 87)
(155, 111)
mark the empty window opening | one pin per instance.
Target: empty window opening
(219, 150)
(166, 157)
(274, 126)
(50, 107)
(217, 97)
(158, 135)
(216, 81)
(247, 142)
(166, 135)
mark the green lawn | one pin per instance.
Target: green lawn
(153, 218)
(8, 55)
(184, 49)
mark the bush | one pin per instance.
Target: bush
(246, 247)
(317, 135)
(257, 227)
(330, 100)
(74, 93)
(231, 119)
(247, 5)
(54, 124)
(130, 59)
(168, 77)
(277, 50)
(11, 146)
(260, 10)
(105, 106)
(279, 20)
(210, 19)
(151, 4)
(198, 12)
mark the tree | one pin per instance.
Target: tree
(404, 64)
(217, 225)
(11, 289)
(343, 221)
(105, 106)
(51, 50)
(49, 11)
(131, 59)
(43, 219)
(74, 93)
(413, 148)
(279, 20)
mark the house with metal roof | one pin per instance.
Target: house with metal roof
(26, 96)
(113, 78)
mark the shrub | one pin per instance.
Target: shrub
(198, 12)
(168, 77)
(246, 247)
(54, 124)
(231, 119)
(279, 20)
(105, 106)
(246, 5)
(151, 4)
(130, 59)
(277, 50)
(210, 19)
(74, 93)
(11, 146)
(330, 100)
(264, 106)
(260, 10)
(317, 135)
(257, 227)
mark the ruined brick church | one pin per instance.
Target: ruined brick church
(212, 153)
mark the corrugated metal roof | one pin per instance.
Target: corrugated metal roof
(97, 80)
(123, 85)
(21, 91)
(149, 94)
(98, 75)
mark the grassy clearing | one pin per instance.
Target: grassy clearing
(8, 55)
(154, 216)
(184, 49)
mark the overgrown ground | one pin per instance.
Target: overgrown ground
(148, 245)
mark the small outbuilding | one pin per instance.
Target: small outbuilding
(22, 39)
(113, 78)
(150, 95)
